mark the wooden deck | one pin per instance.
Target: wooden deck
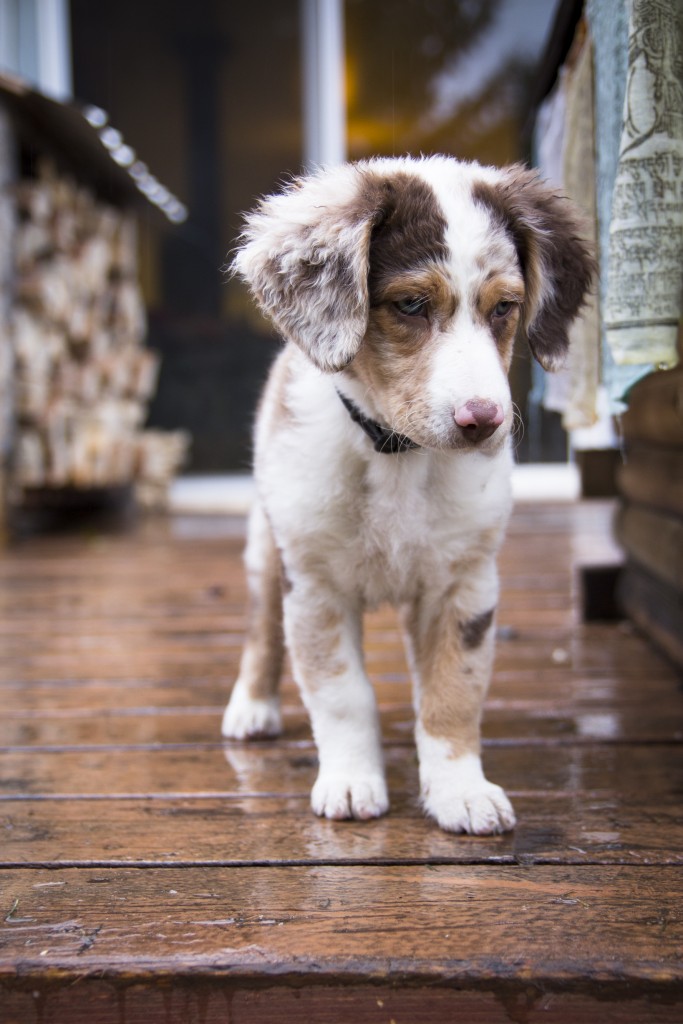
(149, 873)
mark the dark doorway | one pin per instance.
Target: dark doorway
(208, 94)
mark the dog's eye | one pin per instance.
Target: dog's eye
(502, 308)
(412, 306)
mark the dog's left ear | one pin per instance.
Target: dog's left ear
(305, 255)
(557, 264)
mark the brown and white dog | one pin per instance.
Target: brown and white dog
(383, 454)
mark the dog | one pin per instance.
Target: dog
(383, 453)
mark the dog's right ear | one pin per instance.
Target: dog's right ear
(305, 255)
(556, 262)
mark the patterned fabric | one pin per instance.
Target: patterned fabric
(608, 23)
(642, 305)
(565, 154)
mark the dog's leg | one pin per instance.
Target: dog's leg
(324, 643)
(451, 641)
(254, 706)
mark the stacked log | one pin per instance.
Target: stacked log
(82, 375)
(650, 520)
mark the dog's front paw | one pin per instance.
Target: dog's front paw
(461, 799)
(248, 717)
(340, 796)
(484, 810)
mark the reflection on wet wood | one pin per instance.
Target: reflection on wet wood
(288, 769)
(552, 720)
(176, 878)
(555, 828)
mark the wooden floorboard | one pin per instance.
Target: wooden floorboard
(149, 872)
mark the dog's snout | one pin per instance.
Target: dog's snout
(479, 418)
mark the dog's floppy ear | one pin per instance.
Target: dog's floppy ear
(305, 254)
(557, 263)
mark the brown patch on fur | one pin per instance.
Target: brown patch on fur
(557, 264)
(314, 638)
(431, 284)
(501, 288)
(410, 234)
(454, 676)
(474, 631)
(261, 664)
(391, 360)
(392, 364)
(393, 339)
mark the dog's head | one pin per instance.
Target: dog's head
(411, 278)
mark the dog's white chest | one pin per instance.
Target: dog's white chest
(416, 520)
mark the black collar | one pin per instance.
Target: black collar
(384, 439)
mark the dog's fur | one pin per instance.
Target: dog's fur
(399, 284)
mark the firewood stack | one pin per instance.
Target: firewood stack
(83, 377)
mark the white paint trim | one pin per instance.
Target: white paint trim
(54, 48)
(212, 495)
(324, 103)
(233, 494)
(546, 481)
(35, 43)
(9, 35)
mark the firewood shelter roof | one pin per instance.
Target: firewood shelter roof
(82, 140)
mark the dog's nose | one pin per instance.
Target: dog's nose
(479, 418)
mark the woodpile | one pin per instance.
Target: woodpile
(82, 375)
(650, 520)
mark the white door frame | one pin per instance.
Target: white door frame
(35, 43)
(324, 100)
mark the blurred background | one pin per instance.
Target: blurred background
(224, 101)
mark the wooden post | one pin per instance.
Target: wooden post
(7, 174)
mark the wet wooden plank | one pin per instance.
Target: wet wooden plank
(266, 769)
(509, 722)
(596, 650)
(552, 612)
(166, 618)
(520, 647)
(192, 612)
(544, 681)
(602, 924)
(642, 828)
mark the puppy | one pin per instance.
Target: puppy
(383, 455)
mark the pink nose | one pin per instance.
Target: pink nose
(479, 418)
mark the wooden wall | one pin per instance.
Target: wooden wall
(649, 522)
